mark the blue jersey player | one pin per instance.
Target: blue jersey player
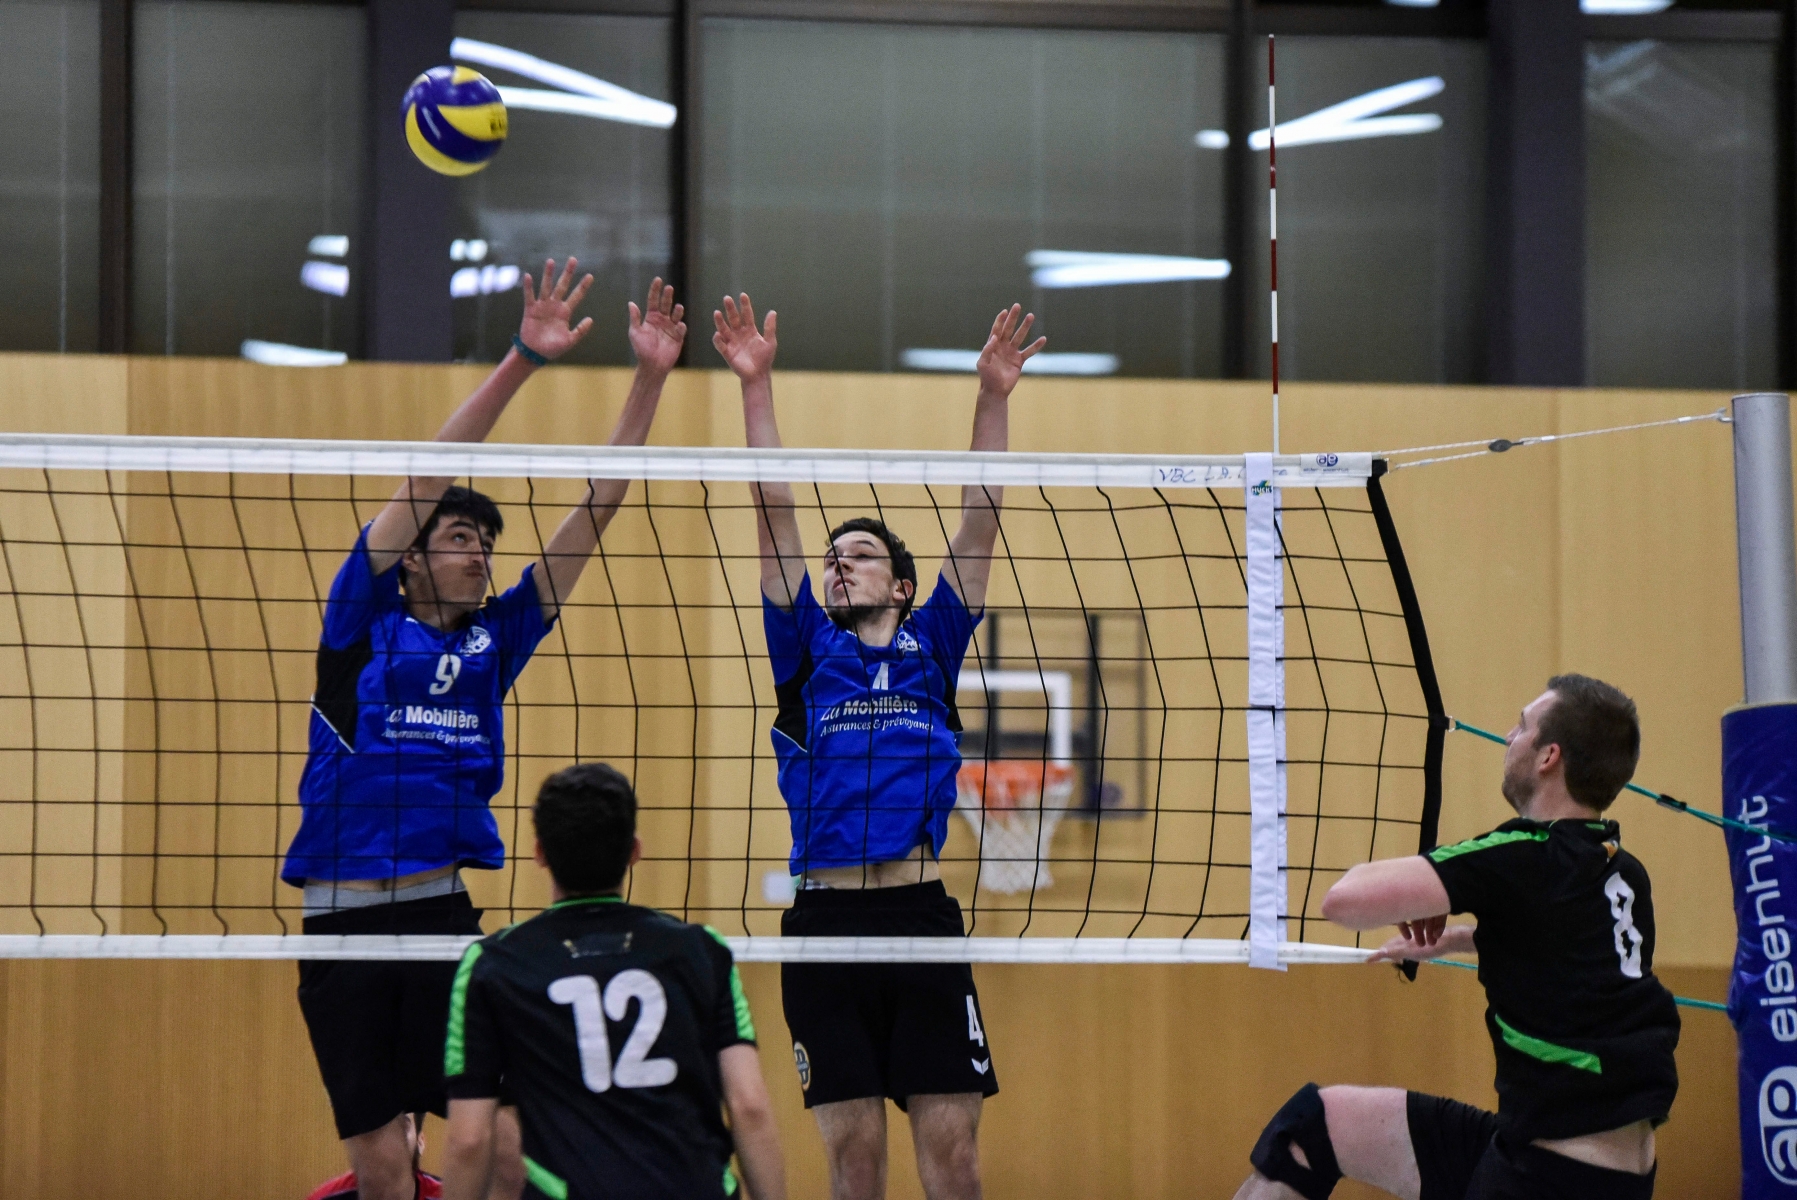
(866, 736)
(407, 746)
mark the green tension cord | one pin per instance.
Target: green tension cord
(1684, 1001)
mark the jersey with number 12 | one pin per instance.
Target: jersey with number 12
(407, 739)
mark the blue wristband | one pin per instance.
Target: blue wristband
(527, 352)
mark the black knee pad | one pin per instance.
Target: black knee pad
(1300, 1121)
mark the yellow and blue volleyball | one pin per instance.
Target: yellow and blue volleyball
(455, 120)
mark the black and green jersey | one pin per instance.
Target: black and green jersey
(1583, 1032)
(603, 1022)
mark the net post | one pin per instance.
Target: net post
(1768, 554)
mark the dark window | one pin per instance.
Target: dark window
(248, 162)
(1681, 228)
(593, 182)
(1381, 237)
(889, 189)
(50, 175)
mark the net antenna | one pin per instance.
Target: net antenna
(1213, 694)
(1273, 231)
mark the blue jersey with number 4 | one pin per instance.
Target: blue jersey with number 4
(867, 737)
(407, 742)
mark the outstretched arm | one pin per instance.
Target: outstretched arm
(969, 563)
(1386, 892)
(656, 334)
(752, 1122)
(750, 353)
(546, 330)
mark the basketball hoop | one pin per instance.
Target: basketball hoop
(1014, 807)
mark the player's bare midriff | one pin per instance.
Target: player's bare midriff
(1630, 1148)
(916, 867)
(391, 883)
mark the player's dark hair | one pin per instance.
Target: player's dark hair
(1599, 736)
(585, 818)
(459, 501)
(904, 566)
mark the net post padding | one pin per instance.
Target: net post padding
(1014, 807)
(435, 948)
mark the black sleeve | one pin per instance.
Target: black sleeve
(473, 1063)
(1490, 873)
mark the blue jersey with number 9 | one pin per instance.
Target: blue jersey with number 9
(407, 737)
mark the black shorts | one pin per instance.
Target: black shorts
(377, 1027)
(883, 1029)
(1462, 1154)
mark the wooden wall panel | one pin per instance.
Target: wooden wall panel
(1611, 555)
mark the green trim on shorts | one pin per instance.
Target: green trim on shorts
(545, 1180)
(745, 1023)
(1548, 1051)
(1497, 837)
(455, 1047)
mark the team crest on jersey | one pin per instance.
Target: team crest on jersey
(802, 1060)
(478, 639)
(904, 640)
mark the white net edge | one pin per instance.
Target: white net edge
(281, 456)
(443, 948)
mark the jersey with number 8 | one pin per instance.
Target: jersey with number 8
(604, 1022)
(1583, 1032)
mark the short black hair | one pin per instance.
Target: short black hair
(459, 501)
(1599, 736)
(904, 566)
(585, 818)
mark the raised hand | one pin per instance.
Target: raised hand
(545, 327)
(749, 351)
(1001, 362)
(657, 337)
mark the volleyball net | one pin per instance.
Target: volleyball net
(1200, 692)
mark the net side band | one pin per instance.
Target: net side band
(435, 948)
(273, 456)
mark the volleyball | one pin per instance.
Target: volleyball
(455, 120)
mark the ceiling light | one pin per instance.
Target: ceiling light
(331, 245)
(967, 361)
(1414, 3)
(277, 354)
(619, 104)
(330, 278)
(1352, 119)
(1079, 268)
(483, 281)
(1623, 8)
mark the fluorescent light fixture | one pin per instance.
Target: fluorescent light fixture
(1042, 364)
(467, 249)
(330, 278)
(1414, 3)
(277, 354)
(1623, 8)
(617, 104)
(331, 245)
(483, 281)
(1354, 118)
(1079, 268)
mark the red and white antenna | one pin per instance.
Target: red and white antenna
(1273, 228)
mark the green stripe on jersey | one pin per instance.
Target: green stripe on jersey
(729, 1182)
(1547, 1051)
(545, 1180)
(455, 1048)
(745, 1024)
(1497, 837)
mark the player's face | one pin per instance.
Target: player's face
(1520, 753)
(858, 574)
(458, 557)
